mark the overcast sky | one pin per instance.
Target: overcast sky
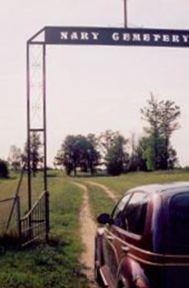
(91, 89)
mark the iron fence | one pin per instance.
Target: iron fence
(10, 206)
(34, 225)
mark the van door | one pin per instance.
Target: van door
(128, 223)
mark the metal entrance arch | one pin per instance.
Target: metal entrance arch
(36, 70)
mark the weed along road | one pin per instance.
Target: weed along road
(88, 229)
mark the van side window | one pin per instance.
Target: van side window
(135, 213)
(178, 224)
(118, 215)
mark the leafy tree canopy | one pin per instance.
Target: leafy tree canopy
(79, 151)
(161, 117)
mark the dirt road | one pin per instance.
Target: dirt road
(88, 230)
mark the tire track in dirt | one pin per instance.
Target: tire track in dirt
(87, 230)
(110, 194)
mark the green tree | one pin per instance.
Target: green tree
(35, 153)
(152, 115)
(162, 119)
(106, 140)
(116, 156)
(92, 154)
(168, 124)
(79, 152)
(137, 160)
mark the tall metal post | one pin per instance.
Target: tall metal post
(44, 118)
(125, 13)
(45, 146)
(28, 129)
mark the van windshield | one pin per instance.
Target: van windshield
(178, 224)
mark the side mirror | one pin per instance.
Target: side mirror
(104, 218)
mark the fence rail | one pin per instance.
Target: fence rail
(7, 206)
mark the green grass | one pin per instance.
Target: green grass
(99, 201)
(121, 184)
(55, 265)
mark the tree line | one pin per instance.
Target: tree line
(110, 150)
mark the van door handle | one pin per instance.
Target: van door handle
(125, 248)
(109, 237)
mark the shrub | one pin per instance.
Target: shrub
(4, 172)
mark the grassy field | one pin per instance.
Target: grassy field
(55, 265)
(121, 184)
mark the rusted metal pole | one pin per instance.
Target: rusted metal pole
(44, 118)
(125, 13)
(47, 221)
(28, 128)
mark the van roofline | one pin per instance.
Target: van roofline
(161, 187)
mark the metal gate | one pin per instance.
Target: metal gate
(35, 223)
